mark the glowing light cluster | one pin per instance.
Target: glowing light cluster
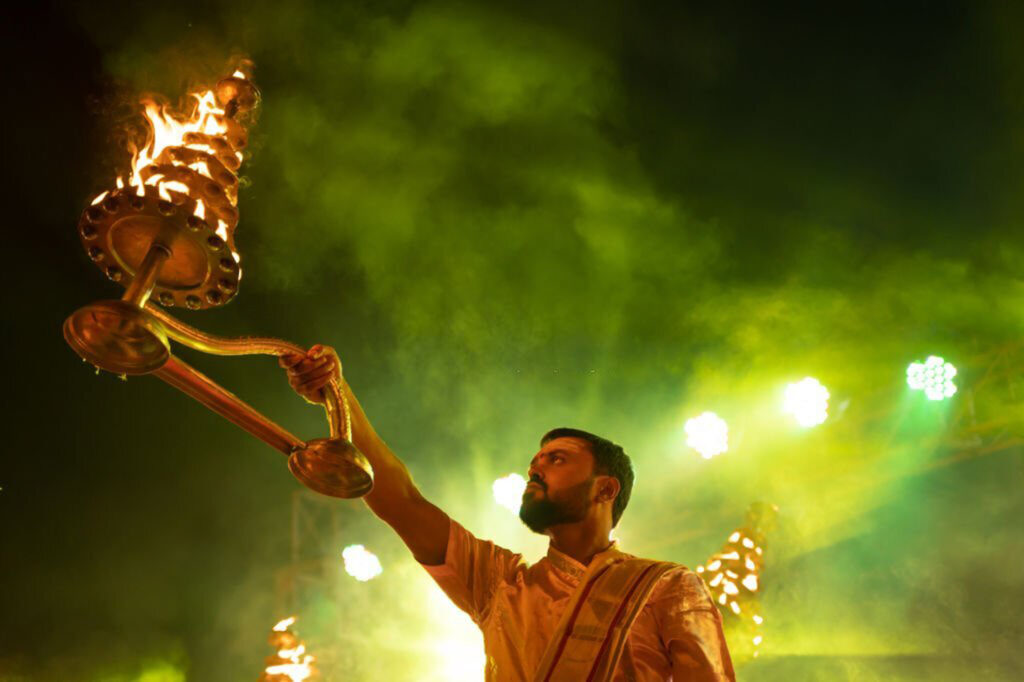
(934, 376)
(508, 491)
(708, 434)
(807, 401)
(733, 578)
(360, 563)
(290, 661)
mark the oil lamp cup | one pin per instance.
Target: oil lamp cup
(168, 236)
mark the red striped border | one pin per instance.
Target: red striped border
(615, 621)
(572, 622)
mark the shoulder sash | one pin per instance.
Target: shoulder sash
(591, 635)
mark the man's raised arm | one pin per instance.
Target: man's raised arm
(394, 498)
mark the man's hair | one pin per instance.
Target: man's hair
(609, 460)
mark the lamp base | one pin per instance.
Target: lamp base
(118, 337)
(333, 467)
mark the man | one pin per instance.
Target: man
(587, 611)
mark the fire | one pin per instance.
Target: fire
(732, 578)
(168, 131)
(192, 157)
(284, 624)
(290, 663)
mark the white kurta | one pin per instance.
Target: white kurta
(677, 636)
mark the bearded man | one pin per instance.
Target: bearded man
(587, 611)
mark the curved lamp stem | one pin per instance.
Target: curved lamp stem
(225, 403)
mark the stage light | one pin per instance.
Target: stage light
(508, 491)
(708, 434)
(807, 401)
(934, 376)
(361, 563)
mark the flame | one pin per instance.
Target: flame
(284, 624)
(201, 167)
(175, 186)
(100, 198)
(294, 663)
(297, 672)
(289, 653)
(741, 556)
(168, 131)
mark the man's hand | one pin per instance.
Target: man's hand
(309, 373)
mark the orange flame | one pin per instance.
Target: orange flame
(207, 121)
(169, 131)
(284, 624)
(292, 662)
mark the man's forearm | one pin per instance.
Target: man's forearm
(391, 479)
(395, 498)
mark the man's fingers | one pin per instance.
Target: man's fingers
(312, 382)
(290, 359)
(308, 366)
(309, 372)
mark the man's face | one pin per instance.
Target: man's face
(561, 479)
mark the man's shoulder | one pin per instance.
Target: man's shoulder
(670, 567)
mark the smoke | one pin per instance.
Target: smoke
(505, 221)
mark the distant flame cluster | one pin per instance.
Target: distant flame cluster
(290, 663)
(732, 575)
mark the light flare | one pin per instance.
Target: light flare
(807, 401)
(360, 563)
(508, 491)
(708, 434)
(934, 376)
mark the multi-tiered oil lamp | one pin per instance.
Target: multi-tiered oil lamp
(167, 235)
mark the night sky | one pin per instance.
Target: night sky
(509, 217)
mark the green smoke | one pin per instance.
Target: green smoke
(508, 220)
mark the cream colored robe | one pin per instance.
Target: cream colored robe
(677, 634)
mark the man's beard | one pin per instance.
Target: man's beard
(540, 513)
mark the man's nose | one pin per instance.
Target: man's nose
(534, 473)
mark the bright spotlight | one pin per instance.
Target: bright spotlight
(508, 491)
(360, 563)
(934, 376)
(807, 401)
(708, 434)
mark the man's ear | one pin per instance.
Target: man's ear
(608, 489)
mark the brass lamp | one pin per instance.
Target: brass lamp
(167, 235)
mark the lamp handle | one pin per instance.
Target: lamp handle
(335, 404)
